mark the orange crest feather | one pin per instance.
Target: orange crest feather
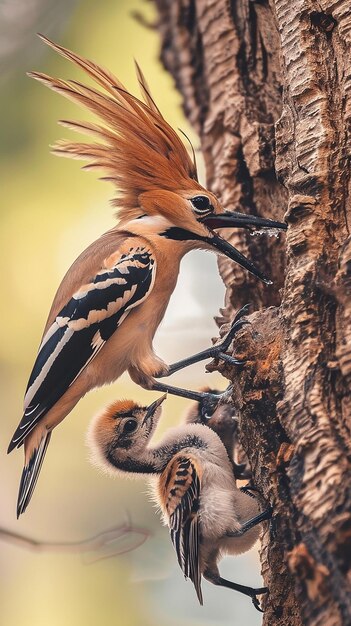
(120, 406)
(137, 148)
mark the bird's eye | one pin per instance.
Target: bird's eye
(201, 204)
(130, 426)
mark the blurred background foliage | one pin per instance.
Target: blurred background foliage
(50, 212)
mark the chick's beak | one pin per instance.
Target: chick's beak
(240, 220)
(151, 409)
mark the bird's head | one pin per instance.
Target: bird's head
(194, 215)
(118, 436)
(223, 420)
(146, 160)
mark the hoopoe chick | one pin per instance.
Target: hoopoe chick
(113, 298)
(193, 484)
(225, 424)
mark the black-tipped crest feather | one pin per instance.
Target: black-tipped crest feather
(134, 134)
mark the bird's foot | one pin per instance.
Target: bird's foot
(251, 592)
(255, 601)
(214, 352)
(247, 491)
(219, 350)
(210, 402)
(268, 511)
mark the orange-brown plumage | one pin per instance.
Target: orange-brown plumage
(119, 406)
(105, 426)
(114, 296)
(192, 483)
(138, 149)
(171, 490)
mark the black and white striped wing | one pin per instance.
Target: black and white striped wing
(180, 491)
(81, 329)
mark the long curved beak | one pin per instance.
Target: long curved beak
(232, 253)
(238, 220)
(151, 409)
(234, 219)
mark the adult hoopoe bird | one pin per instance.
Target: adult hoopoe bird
(112, 299)
(192, 482)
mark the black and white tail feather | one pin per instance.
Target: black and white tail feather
(30, 475)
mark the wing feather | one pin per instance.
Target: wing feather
(180, 491)
(82, 327)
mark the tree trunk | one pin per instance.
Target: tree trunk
(267, 86)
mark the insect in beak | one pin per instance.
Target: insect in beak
(151, 409)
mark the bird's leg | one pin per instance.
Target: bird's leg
(214, 352)
(247, 591)
(208, 401)
(211, 399)
(248, 489)
(261, 517)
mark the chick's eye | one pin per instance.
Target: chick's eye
(201, 204)
(130, 426)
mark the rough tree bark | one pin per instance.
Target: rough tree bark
(267, 86)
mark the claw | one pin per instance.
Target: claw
(230, 359)
(209, 404)
(248, 488)
(247, 492)
(210, 401)
(244, 309)
(255, 601)
(219, 351)
(237, 324)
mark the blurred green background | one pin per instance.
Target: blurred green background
(50, 211)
